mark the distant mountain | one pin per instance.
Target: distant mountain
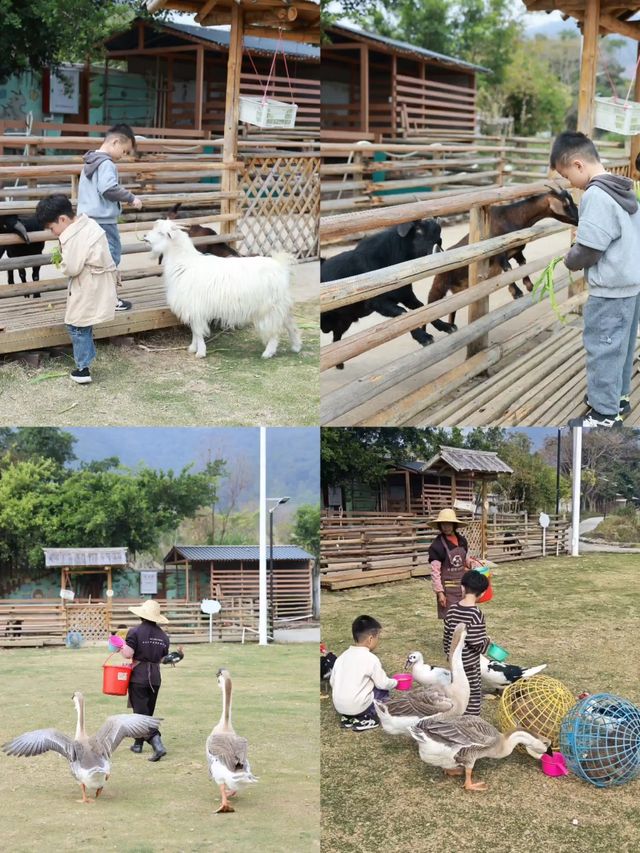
(293, 454)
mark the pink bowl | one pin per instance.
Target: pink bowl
(404, 679)
(554, 765)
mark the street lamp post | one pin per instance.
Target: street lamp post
(277, 503)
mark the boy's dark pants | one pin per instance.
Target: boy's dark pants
(370, 712)
(610, 330)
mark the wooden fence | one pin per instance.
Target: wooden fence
(46, 622)
(360, 549)
(528, 394)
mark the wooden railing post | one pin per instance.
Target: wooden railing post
(479, 229)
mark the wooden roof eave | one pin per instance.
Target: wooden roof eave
(609, 23)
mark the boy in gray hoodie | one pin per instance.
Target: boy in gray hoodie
(100, 195)
(607, 247)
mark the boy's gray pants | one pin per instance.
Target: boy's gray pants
(610, 330)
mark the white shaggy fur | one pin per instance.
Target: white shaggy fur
(232, 291)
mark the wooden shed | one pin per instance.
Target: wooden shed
(231, 571)
(375, 84)
(185, 69)
(596, 18)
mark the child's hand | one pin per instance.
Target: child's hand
(137, 203)
(442, 599)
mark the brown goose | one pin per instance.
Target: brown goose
(226, 751)
(398, 713)
(89, 756)
(458, 742)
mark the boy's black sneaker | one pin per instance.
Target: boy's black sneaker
(365, 725)
(597, 419)
(82, 377)
(346, 722)
(624, 406)
(123, 305)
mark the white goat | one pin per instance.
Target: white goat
(233, 291)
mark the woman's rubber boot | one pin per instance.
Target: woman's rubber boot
(158, 748)
(137, 745)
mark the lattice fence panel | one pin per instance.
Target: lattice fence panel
(90, 619)
(281, 205)
(473, 534)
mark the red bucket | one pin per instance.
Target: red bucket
(115, 679)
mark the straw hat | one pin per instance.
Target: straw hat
(150, 609)
(446, 515)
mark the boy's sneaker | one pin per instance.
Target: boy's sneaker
(82, 377)
(123, 305)
(624, 406)
(597, 419)
(346, 722)
(365, 725)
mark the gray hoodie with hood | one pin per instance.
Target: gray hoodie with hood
(608, 239)
(99, 192)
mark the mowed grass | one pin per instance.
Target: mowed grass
(168, 806)
(579, 616)
(154, 381)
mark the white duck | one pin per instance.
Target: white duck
(398, 713)
(425, 674)
(226, 751)
(458, 742)
(89, 756)
(496, 676)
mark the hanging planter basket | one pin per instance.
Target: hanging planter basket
(618, 116)
(267, 113)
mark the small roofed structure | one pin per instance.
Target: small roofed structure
(596, 18)
(231, 572)
(379, 85)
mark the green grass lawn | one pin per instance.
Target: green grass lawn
(578, 615)
(170, 805)
(164, 385)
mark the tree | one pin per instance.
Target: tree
(42, 34)
(306, 529)
(44, 442)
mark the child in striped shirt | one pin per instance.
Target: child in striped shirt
(473, 585)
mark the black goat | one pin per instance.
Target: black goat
(404, 242)
(21, 225)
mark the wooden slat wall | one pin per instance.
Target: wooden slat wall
(292, 585)
(431, 105)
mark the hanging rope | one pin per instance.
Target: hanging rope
(279, 48)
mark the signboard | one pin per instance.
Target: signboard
(64, 91)
(68, 557)
(67, 594)
(210, 605)
(148, 583)
(543, 520)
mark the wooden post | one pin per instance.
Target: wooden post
(231, 114)
(479, 229)
(394, 95)
(588, 65)
(635, 140)
(485, 515)
(199, 87)
(186, 582)
(407, 494)
(454, 490)
(364, 88)
(169, 104)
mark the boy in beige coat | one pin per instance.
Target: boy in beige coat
(86, 259)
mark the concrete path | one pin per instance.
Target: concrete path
(297, 635)
(590, 524)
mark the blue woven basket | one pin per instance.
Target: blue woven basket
(600, 740)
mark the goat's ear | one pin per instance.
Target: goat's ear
(554, 189)
(404, 228)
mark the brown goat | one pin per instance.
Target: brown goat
(222, 250)
(557, 204)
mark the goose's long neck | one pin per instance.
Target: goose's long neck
(459, 681)
(80, 732)
(225, 719)
(508, 743)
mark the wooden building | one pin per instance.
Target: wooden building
(450, 478)
(181, 74)
(372, 84)
(231, 571)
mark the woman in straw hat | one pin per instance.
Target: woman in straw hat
(147, 645)
(449, 559)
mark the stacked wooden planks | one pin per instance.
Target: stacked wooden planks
(361, 549)
(32, 623)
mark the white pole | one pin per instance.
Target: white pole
(544, 541)
(262, 621)
(575, 498)
(210, 627)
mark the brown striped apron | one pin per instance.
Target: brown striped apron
(451, 574)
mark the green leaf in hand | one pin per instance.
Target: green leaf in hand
(544, 287)
(56, 257)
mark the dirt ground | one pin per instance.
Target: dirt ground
(576, 615)
(151, 379)
(376, 359)
(169, 806)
